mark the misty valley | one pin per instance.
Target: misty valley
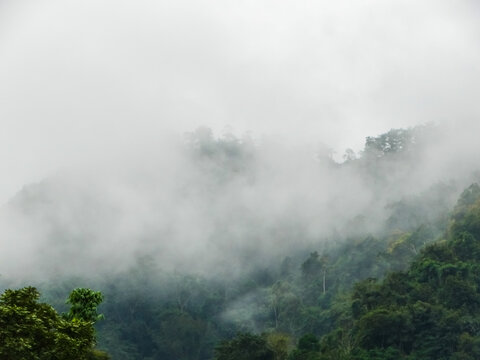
(232, 248)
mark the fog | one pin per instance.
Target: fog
(219, 206)
(96, 98)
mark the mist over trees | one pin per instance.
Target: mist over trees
(224, 204)
(240, 246)
(229, 180)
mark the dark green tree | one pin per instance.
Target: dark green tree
(308, 348)
(244, 346)
(33, 330)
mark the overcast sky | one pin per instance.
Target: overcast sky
(85, 79)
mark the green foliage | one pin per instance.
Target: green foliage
(191, 314)
(83, 305)
(33, 330)
(279, 344)
(466, 217)
(308, 348)
(244, 346)
(431, 311)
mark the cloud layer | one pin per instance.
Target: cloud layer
(95, 97)
(80, 79)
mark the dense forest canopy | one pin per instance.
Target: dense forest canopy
(240, 248)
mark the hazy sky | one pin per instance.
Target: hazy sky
(86, 79)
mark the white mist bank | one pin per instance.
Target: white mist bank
(213, 205)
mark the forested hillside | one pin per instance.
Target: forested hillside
(429, 311)
(255, 253)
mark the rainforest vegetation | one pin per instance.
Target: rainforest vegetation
(400, 280)
(33, 330)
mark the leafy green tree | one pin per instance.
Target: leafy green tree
(33, 330)
(279, 344)
(83, 305)
(285, 305)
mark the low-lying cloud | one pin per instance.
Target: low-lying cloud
(94, 97)
(223, 205)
